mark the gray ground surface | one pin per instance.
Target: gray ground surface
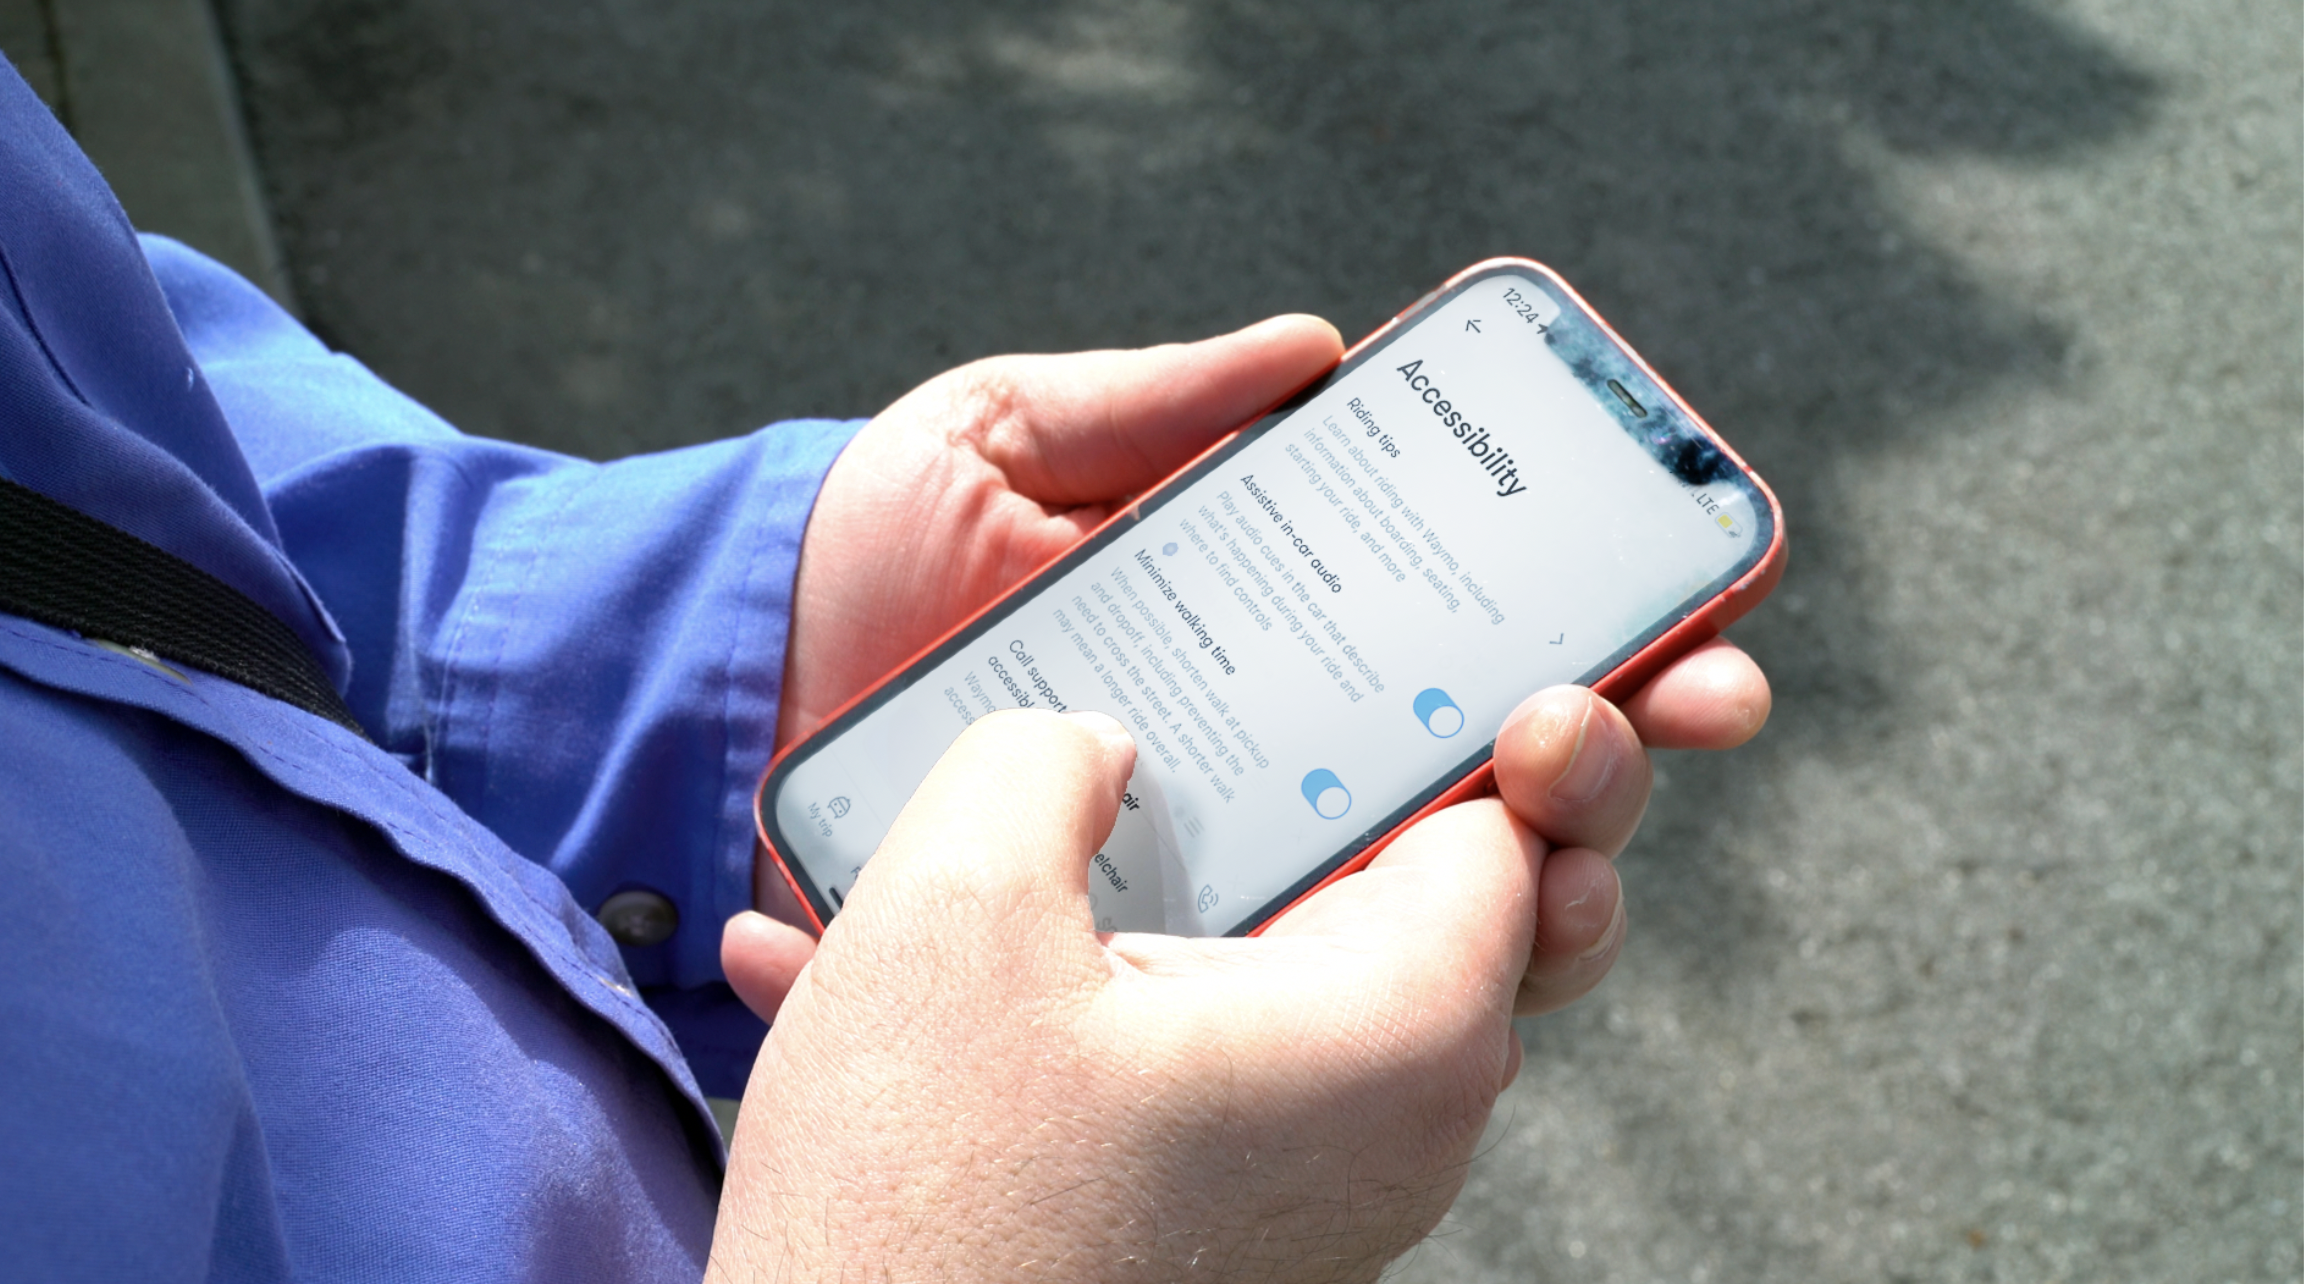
(1984, 963)
(146, 88)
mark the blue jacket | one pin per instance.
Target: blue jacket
(279, 1002)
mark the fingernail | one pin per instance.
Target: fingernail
(1607, 939)
(1589, 766)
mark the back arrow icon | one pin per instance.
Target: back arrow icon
(1473, 325)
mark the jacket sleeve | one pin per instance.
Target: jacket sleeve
(586, 657)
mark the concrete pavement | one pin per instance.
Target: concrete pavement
(145, 88)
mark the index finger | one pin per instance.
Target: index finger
(1714, 697)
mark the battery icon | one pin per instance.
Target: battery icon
(1727, 523)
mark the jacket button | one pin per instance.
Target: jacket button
(639, 917)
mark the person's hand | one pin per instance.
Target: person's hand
(970, 1083)
(976, 478)
(980, 476)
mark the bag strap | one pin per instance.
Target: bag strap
(64, 568)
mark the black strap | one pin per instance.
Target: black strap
(64, 568)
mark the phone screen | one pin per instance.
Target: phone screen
(1325, 624)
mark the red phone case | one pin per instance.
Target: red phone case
(1701, 625)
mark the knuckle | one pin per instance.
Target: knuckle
(990, 397)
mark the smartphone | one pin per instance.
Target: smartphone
(1315, 630)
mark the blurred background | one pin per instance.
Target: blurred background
(1983, 963)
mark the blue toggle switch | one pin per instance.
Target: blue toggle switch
(1327, 794)
(1438, 713)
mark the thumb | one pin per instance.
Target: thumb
(1448, 910)
(761, 958)
(999, 835)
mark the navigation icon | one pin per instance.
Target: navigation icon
(1472, 324)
